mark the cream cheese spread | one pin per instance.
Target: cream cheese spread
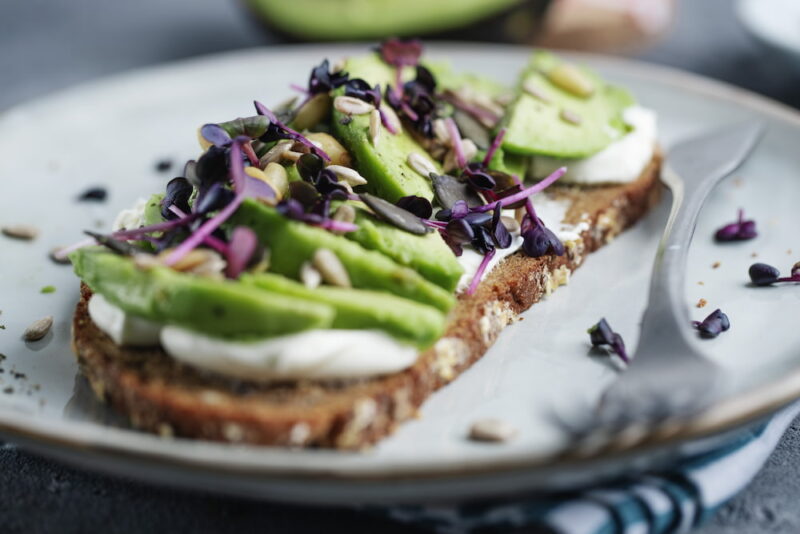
(130, 218)
(123, 328)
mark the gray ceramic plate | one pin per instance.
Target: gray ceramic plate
(113, 132)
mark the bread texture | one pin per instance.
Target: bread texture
(159, 394)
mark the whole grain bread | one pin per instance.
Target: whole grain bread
(161, 395)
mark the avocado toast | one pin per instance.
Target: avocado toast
(324, 266)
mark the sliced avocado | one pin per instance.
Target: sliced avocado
(408, 321)
(428, 254)
(152, 211)
(449, 78)
(291, 243)
(215, 307)
(536, 127)
(384, 166)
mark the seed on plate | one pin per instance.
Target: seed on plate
(701, 303)
(21, 231)
(56, 256)
(310, 277)
(494, 430)
(38, 329)
(511, 224)
(347, 175)
(374, 126)
(535, 91)
(276, 153)
(277, 178)
(392, 119)
(351, 105)
(331, 268)
(571, 79)
(312, 112)
(570, 117)
(420, 164)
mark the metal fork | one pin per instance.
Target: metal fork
(668, 378)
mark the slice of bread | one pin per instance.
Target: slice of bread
(161, 395)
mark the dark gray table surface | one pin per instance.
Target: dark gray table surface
(46, 45)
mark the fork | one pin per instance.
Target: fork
(668, 378)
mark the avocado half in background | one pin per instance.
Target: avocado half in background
(337, 20)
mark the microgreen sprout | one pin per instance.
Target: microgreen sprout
(278, 130)
(713, 325)
(741, 230)
(601, 335)
(762, 274)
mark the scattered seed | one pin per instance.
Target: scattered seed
(420, 164)
(701, 283)
(310, 277)
(347, 175)
(570, 117)
(331, 268)
(701, 303)
(394, 215)
(38, 329)
(789, 251)
(351, 105)
(56, 256)
(345, 213)
(392, 119)
(200, 261)
(164, 165)
(571, 79)
(441, 132)
(511, 224)
(313, 112)
(504, 99)
(535, 91)
(275, 154)
(94, 194)
(21, 231)
(715, 265)
(754, 255)
(276, 176)
(8, 390)
(493, 430)
(48, 289)
(375, 126)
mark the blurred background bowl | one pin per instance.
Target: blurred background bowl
(775, 25)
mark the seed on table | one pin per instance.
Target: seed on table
(493, 430)
(331, 268)
(38, 329)
(57, 257)
(21, 231)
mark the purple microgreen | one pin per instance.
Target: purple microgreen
(215, 134)
(258, 189)
(394, 215)
(139, 233)
(117, 246)
(251, 154)
(419, 206)
(178, 192)
(216, 197)
(601, 335)
(525, 193)
(502, 238)
(285, 132)
(94, 194)
(337, 226)
(322, 80)
(762, 274)
(455, 141)
(358, 88)
(498, 140)
(208, 227)
(478, 178)
(312, 170)
(741, 230)
(242, 246)
(298, 88)
(484, 116)
(401, 52)
(293, 209)
(163, 165)
(473, 285)
(713, 325)
(538, 240)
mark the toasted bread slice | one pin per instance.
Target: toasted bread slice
(161, 395)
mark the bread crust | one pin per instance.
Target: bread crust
(161, 395)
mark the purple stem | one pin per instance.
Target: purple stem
(475, 111)
(217, 244)
(297, 136)
(410, 113)
(237, 177)
(159, 227)
(455, 139)
(498, 140)
(473, 285)
(298, 88)
(337, 226)
(61, 253)
(386, 123)
(251, 154)
(528, 203)
(439, 225)
(525, 193)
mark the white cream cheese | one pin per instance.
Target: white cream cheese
(123, 328)
(620, 162)
(130, 218)
(310, 354)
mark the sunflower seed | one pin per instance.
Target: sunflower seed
(21, 231)
(312, 112)
(375, 126)
(310, 277)
(347, 175)
(392, 119)
(493, 430)
(441, 132)
(38, 329)
(351, 105)
(570, 117)
(330, 268)
(275, 154)
(571, 79)
(420, 164)
(345, 213)
(200, 261)
(511, 224)
(276, 177)
(535, 91)
(57, 257)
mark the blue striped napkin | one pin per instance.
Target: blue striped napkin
(670, 502)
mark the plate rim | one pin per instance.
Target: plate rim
(730, 414)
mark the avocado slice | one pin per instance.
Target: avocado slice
(536, 127)
(428, 254)
(384, 166)
(406, 320)
(292, 243)
(215, 307)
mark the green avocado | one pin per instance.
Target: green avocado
(536, 126)
(215, 307)
(291, 243)
(152, 211)
(406, 320)
(384, 166)
(429, 255)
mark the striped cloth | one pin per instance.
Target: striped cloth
(657, 503)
